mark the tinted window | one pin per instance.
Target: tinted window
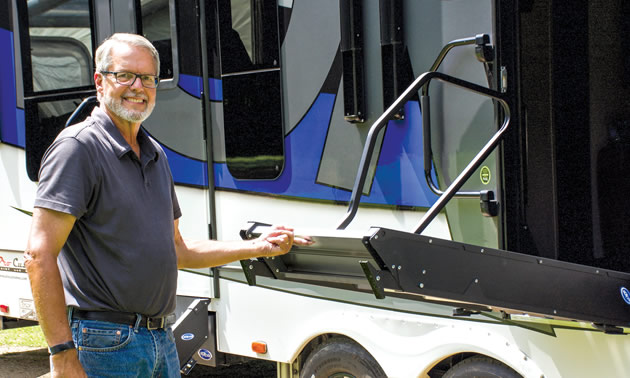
(252, 103)
(249, 35)
(45, 119)
(57, 64)
(60, 45)
(156, 27)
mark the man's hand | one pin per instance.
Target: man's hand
(278, 241)
(66, 364)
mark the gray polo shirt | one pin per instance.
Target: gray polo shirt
(120, 254)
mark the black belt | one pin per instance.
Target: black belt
(122, 318)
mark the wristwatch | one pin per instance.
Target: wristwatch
(61, 347)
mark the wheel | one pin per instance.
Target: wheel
(481, 367)
(340, 358)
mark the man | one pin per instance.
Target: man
(104, 245)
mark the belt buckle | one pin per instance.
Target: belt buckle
(159, 323)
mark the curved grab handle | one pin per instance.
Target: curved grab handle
(478, 40)
(368, 150)
(475, 163)
(428, 153)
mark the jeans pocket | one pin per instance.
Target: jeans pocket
(97, 336)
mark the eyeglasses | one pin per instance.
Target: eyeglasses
(128, 78)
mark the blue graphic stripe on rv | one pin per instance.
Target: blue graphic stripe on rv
(216, 89)
(190, 84)
(11, 118)
(399, 178)
(193, 86)
(185, 170)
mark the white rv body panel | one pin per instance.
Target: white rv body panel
(234, 209)
(16, 192)
(407, 337)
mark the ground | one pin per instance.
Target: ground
(25, 362)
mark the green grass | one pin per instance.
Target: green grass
(25, 336)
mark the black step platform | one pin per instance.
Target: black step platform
(500, 279)
(469, 278)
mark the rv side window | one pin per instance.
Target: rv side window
(56, 42)
(60, 45)
(252, 103)
(249, 36)
(155, 25)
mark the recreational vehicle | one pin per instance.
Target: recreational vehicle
(462, 166)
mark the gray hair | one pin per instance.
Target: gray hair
(103, 59)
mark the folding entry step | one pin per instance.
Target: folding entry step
(472, 278)
(503, 280)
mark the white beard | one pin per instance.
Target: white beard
(115, 106)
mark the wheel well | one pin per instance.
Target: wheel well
(318, 340)
(330, 354)
(440, 368)
(437, 371)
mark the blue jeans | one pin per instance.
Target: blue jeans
(119, 350)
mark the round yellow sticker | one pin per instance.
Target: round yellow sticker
(485, 175)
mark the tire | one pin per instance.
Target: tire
(481, 367)
(340, 358)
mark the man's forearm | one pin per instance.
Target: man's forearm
(49, 299)
(210, 253)
(50, 305)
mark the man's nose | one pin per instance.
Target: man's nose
(137, 83)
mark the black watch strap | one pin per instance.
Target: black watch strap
(61, 347)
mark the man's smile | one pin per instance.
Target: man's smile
(135, 100)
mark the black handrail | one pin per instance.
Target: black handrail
(448, 47)
(475, 163)
(381, 122)
(478, 40)
(428, 153)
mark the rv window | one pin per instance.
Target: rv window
(155, 25)
(249, 35)
(56, 44)
(45, 119)
(252, 102)
(60, 45)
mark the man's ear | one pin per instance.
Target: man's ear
(98, 81)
